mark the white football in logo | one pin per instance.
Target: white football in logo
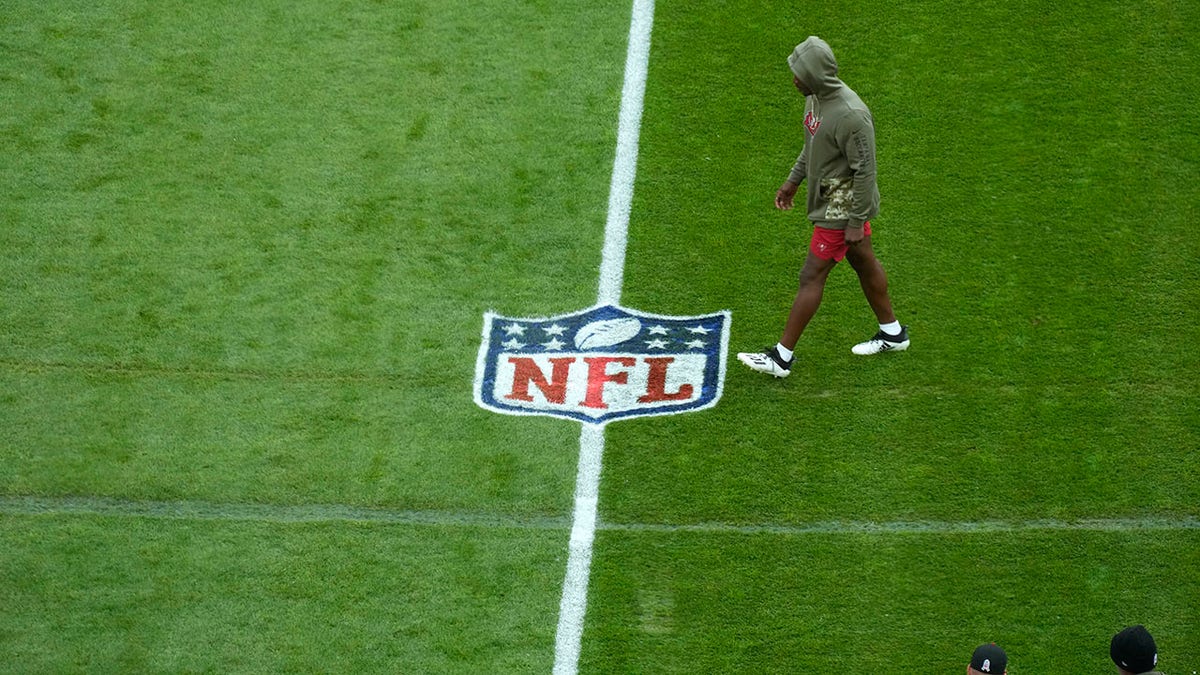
(607, 333)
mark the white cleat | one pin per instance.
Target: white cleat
(882, 342)
(767, 362)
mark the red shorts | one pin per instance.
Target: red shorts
(830, 244)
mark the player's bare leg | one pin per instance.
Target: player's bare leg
(891, 336)
(872, 278)
(808, 298)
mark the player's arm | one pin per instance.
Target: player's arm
(858, 142)
(786, 194)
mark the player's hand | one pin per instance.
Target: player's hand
(785, 195)
(853, 234)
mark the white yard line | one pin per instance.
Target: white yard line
(573, 605)
(629, 124)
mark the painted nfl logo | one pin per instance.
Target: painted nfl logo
(600, 364)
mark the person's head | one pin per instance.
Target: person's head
(988, 659)
(800, 86)
(1133, 650)
(814, 68)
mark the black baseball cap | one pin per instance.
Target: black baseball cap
(989, 658)
(1133, 649)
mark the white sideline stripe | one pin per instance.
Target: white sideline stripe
(629, 123)
(573, 605)
(325, 513)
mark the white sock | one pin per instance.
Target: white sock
(784, 352)
(892, 328)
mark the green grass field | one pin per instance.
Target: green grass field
(245, 254)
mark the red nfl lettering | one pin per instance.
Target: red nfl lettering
(598, 375)
(527, 372)
(656, 385)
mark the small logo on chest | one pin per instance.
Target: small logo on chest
(811, 123)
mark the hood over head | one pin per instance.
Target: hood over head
(812, 61)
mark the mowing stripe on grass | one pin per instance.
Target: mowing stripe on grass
(148, 370)
(922, 526)
(892, 390)
(269, 513)
(323, 513)
(573, 604)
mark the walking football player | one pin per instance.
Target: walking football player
(838, 161)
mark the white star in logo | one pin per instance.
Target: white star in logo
(695, 344)
(555, 329)
(512, 344)
(657, 330)
(554, 344)
(701, 330)
(656, 344)
(514, 329)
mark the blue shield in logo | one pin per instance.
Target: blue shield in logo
(600, 364)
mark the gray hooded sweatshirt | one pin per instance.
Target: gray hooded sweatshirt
(839, 143)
